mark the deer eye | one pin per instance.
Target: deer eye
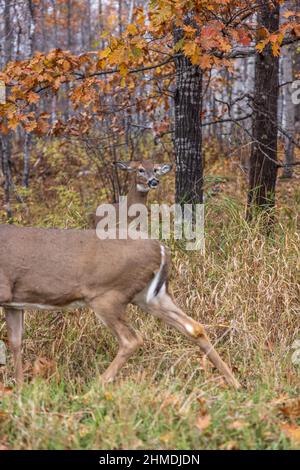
(155, 170)
(141, 171)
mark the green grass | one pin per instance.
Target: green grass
(140, 415)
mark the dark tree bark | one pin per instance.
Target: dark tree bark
(188, 132)
(31, 48)
(31, 27)
(5, 139)
(69, 12)
(296, 67)
(263, 166)
(5, 160)
(26, 166)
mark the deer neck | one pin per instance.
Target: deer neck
(136, 197)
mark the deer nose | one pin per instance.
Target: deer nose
(153, 183)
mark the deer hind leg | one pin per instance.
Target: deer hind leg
(112, 314)
(5, 289)
(163, 307)
(15, 326)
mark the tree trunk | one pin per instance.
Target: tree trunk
(89, 24)
(31, 28)
(6, 171)
(26, 166)
(5, 139)
(31, 49)
(188, 132)
(289, 112)
(55, 25)
(263, 166)
(69, 48)
(296, 69)
(120, 13)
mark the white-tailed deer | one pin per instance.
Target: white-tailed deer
(54, 269)
(144, 176)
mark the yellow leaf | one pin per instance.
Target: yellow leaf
(166, 438)
(13, 123)
(108, 396)
(276, 49)
(261, 45)
(123, 70)
(105, 53)
(104, 35)
(179, 45)
(192, 51)
(132, 29)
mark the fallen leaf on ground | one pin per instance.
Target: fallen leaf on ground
(292, 431)
(170, 400)
(44, 367)
(3, 416)
(5, 390)
(230, 445)
(3, 446)
(108, 396)
(237, 425)
(202, 422)
(291, 408)
(166, 438)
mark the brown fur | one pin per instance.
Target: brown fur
(52, 268)
(137, 181)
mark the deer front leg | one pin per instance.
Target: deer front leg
(112, 315)
(15, 325)
(164, 307)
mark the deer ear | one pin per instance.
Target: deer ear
(126, 166)
(164, 169)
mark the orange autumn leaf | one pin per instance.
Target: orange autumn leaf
(5, 390)
(296, 31)
(30, 126)
(13, 122)
(205, 61)
(237, 425)
(291, 408)
(202, 422)
(32, 97)
(292, 432)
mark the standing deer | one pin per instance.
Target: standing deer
(144, 176)
(54, 269)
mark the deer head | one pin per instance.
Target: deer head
(145, 173)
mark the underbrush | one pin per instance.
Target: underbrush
(245, 290)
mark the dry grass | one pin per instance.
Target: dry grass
(245, 290)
